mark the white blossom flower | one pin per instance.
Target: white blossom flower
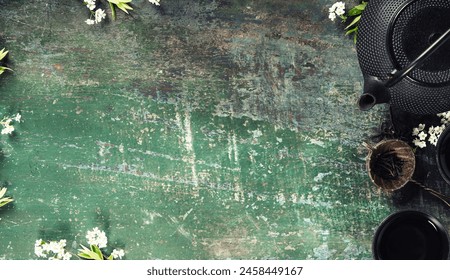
(38, 243)
(97, 237)
(332, 16)
(66, 256)
(118, 253)
(416, 131)
(155, 2)
(431, 130)
(445, 117)
(18, 117)
(7, 121)
(38, 249)
(90, 4)
(422, 136)
(8, 129)
(433, 139)
(421, 126)
(340, 11)
(53, 250)
(56, 248)
(337, 9)
(99, 15)
(434, 132)
(420, 144)
(90, 21)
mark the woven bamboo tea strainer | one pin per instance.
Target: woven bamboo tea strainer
(391, 165)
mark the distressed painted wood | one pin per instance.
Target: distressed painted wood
(198, 130)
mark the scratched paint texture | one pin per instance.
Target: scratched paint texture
(198, 130)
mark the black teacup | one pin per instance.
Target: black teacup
(411, 235)
(443, 154)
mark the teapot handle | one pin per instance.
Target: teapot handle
(398, 75)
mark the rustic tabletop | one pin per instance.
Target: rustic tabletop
(198, 129)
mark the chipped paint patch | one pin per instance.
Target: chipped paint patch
(319, 143)
(323, 252)
(319, 177)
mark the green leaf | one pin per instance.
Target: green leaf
(3, 53)
(2, 192)
(363, 5)
(96, 250)
(113, 10)
(119, 1)
(354, 22)
(357, 10)
(2, 69)
(124, 7)
(121, 4)
(110, 258)
(87, 254)
(5, 201)
(354, 12)
(352, 30)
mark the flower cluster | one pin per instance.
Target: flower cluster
(6, 123)
(96, 15)
(155, 2)
(118, 253)
(433, 133)
(96, 239)
(336, 10)
(52, 250)
(354, 14)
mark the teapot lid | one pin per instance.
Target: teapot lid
(415, 28)
(392, 34)
(392, 37)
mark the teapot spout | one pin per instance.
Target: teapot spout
(366, 101)
(375, 92)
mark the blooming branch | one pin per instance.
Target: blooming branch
(97, 15)
(52, 250)
(338, 10)
(6, 123)
(155, 2)
(96, 239)
(432, 135)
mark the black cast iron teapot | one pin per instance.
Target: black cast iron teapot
(404, 55)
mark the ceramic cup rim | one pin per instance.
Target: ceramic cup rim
(389, 220)
(444, 168)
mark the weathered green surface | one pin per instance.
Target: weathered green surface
(201, 130)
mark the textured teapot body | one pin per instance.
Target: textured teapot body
(393, 33)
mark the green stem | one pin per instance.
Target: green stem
(113, 10)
